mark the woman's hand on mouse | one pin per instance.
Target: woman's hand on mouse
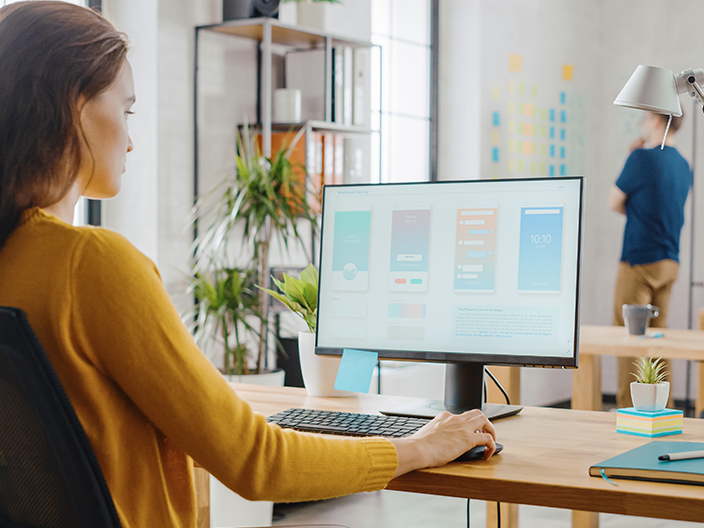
(443, 439)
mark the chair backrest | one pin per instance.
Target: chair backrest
(49, 475)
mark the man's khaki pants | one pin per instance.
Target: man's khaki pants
(644, 284)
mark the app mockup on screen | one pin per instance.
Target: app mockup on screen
(485, 267)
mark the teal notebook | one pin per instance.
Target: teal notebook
(642, 463)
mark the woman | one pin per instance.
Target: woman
(149, 400)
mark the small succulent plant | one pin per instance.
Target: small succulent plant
(650, 370)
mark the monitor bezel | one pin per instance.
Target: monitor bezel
(470, 357)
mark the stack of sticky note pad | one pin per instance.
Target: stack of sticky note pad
(650, 424)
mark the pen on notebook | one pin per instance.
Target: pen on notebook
(685, 455)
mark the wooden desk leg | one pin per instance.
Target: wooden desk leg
(510, 379)
(586, 384)
(699, 402)
(509, 512)
(202, 483)
(585, 519)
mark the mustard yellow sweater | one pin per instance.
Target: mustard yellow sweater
(146, 396)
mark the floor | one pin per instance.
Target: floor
(393, 509)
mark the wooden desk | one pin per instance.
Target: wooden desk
(597, 341)
(545, 462)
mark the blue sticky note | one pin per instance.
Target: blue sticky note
(552, 151)
(563, 116)
(563, 134)
(563, 170)
(562, 152)
(552, 114)
(552, 132)
(495, 154)
(563, 97)
(496, 119)
(552, 170)
(356, 370)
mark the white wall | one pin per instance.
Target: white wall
(604, 41)
(653, 33)
(134, 211)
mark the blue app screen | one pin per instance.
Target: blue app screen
(540, 254)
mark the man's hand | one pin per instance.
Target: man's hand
(637, 144)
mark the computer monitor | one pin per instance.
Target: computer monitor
(467, 273)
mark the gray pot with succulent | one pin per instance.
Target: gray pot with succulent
(650, 391)
(262, 201)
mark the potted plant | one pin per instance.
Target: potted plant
(301, 297)
(650, 390)
(263, 200)
(227, 305)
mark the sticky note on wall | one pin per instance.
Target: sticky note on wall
(356, 370)
(567, 71)
(514, 63)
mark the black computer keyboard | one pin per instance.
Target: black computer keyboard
(347, 424)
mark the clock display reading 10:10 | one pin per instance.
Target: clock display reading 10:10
(540, 239)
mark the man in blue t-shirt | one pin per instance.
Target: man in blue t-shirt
(651, 191)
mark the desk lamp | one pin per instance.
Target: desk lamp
(657, 90)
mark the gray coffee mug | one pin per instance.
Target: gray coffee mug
(637, 316)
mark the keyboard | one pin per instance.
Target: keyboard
(347, 424)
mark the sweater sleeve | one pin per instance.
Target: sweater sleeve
(129, 329)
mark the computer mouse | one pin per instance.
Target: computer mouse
(477, 453)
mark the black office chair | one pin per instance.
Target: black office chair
(49, 475)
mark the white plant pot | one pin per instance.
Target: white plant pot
(274, 378)
(227, 509)
(650, 396)
(319, 372)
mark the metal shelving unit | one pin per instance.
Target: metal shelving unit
(269, 32)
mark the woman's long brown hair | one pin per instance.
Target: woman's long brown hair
(50, 54)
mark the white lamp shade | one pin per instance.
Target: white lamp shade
(651, 88)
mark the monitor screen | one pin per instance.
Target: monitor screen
(482, 271)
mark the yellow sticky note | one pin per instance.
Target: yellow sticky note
(535, 91)
(567, 72)
(520, 146)
(544, 114)
(521, 88)
(495, 93)
(544, 131)
(543, 151)
(510, 165)
(511, 87)
(512, 107)
(495, 137)
(514, 63)
(542, 167)
(511, 145)
(520, 166)
(528, 109)
(512, 126)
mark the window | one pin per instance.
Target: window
(402, 29)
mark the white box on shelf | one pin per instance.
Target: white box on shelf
(305, 70)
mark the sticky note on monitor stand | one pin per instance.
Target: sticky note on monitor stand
(356, 370)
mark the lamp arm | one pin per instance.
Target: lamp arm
(689, 81)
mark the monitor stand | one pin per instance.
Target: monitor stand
(464, 390)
